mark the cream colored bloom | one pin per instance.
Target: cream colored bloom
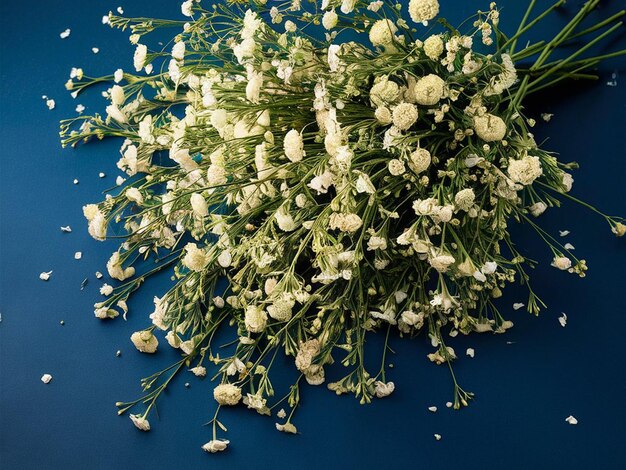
(441, 262)
(145, 341)
(619, 230)
(382, 32)
(526, 170)
(294, 146)
(562, 262)
(433, 47)
(490, 128)
(255, 319)
(384, 92)
(115, 270)
(404, 116)
(196, 259)
(420, 160)
(538, 208)
(199, 205)
(140, 422)
(227, 394)
(383, 389)
(329, 20)
(216, 445)
(139, 59)
(464, 199)
(429, 90)
(423, 10)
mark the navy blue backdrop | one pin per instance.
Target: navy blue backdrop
(527, 382)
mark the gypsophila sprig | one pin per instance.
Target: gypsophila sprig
(308, 192)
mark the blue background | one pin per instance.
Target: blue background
(524, 390)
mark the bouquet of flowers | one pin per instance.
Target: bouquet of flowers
(317, 172)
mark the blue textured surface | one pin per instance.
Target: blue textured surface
(524, 390)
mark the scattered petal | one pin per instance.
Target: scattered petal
(105, 19)
(98, 275)
(45, 275)
(448, 404)
(118, 353)
(546, 116)
(78, 255)
(517, 305)
(470, 352)
(281, 413)
(563, 319)
(432, 409)
(437, 437)
(80, 108)
(50, 104)
(95, 50)
(46, 378)
(571, 420)
(101, 175)
(65, 33)
(569, 246)
(75, 181)
(66, 229)
(120, 180)
(564, 233)
(120, 10)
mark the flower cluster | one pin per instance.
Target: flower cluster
(307, 192)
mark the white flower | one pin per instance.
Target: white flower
(253, 88)
(538, 208)
(227, 394)
(306, 353)
(396, 167)
(567, 182)
(140, 422)
(464, 199)
(284, 220)
(145, 341)
(470, 352)
(186, 8)
(423, 10)
(429, 90)
(347, 6)
(383, 115)
(46, 378)
(563, 319)
(490, 128)
(294, 146)
(215, 445)
(384, 92)
(133, 194)
(115, 270)
(287, 427)
(106, 290)
(117, 95)
(115, 113)
(196, 259)
(139, 59)
(404, 116)
(198, 371)
(383, 389)
(376, 243)
(178, 51)
(255, 319)
(420, 160)
(118, 75)
(199, 205)
(329, 20)
(349, 223)
(382, 32)
(526, 170)
(281, 309)
(441, 262)
(562, 262)
(433, 46)
(334, 62)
